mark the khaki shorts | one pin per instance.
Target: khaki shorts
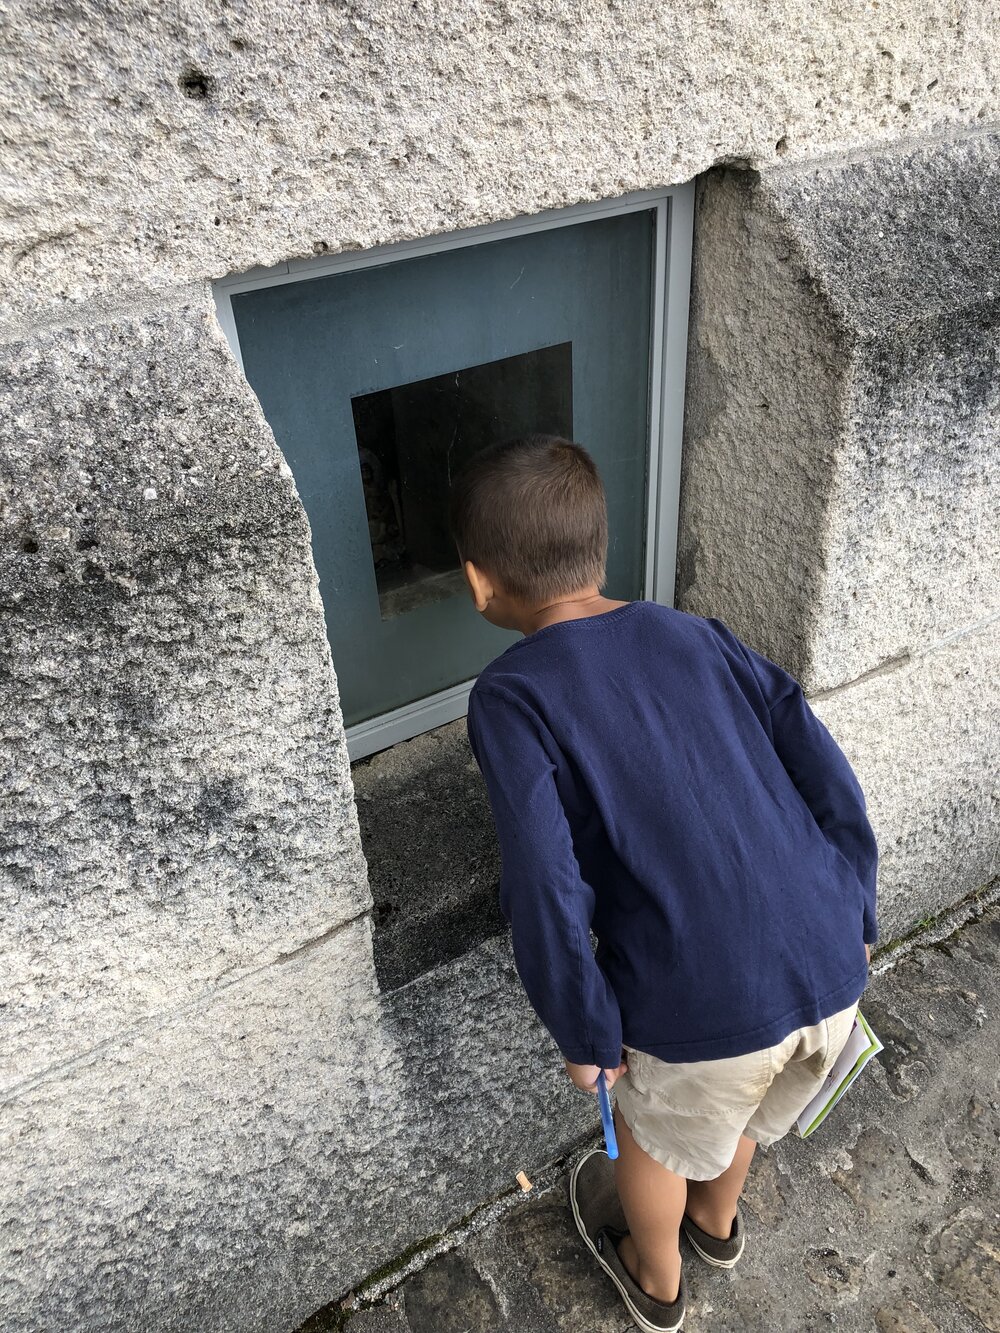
(690, 1116)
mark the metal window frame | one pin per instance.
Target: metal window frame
(671, 283)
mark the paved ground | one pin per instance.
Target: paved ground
(887, 1219)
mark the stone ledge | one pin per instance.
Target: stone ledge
(432, 854)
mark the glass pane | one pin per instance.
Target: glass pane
(366, 376)
(414, 437)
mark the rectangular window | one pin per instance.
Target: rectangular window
(414, 437)
(381, 374)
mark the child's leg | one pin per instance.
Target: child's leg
(711, 1204)
(653, 1201)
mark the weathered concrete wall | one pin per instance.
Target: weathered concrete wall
(240, 1162)
(211, 1116)
(179, 808)
(840, 485)
(157, 145)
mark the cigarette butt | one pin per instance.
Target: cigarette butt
(523, 1181)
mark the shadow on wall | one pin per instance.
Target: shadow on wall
(433, 860)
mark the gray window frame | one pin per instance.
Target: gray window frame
(671, 283)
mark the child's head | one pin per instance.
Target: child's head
(530, 521)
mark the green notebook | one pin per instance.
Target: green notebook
(861, 1045)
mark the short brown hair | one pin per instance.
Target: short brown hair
(532, 512)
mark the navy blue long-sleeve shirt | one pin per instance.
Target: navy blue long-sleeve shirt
(656, 780)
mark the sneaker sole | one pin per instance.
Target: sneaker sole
(710, 1259)
(640, 1319)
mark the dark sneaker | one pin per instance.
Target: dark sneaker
(600, 1220)
(593, 1197)
(721, 1253)
(649, 1314)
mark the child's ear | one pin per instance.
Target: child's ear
(479, 585)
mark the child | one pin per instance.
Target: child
(655, 779)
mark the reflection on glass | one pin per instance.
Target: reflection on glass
(413, 438)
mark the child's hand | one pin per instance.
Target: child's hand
(584, 1077)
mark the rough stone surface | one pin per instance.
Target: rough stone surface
(764, 404)
(932, 242)
(242, 1163)
(843, 409)
(207, 1096)
(913, 544)
(432, 854)
(161, 145)
(177, 804)
(924, 739)
(885, 1219)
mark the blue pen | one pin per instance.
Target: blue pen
(610, 1140)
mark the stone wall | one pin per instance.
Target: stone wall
(212, 1116)
(840, 487)
(181, 805)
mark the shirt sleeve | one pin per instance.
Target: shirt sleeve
(819, 769)
(542, 894)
